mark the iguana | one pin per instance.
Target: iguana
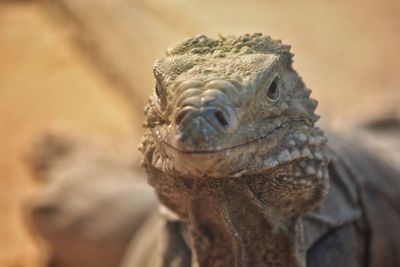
(244, 175)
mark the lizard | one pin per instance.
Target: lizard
(244, 174)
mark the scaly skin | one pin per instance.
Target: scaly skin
(232, 150)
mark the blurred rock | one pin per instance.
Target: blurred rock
(91, 204)
(121, 38)
(382, 136)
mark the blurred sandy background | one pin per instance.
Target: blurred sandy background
(87, 66)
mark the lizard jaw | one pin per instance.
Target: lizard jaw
(282, 145)
(216, 162)
(223, 149)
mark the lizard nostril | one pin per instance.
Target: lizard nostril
(221, 118)
(181, 114)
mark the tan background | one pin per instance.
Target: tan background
(86, 66)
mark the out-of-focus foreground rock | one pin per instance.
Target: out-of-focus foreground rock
(93, 201)
(86, 65)
(44, 80)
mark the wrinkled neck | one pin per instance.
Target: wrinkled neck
(247, 221)
(228, 227)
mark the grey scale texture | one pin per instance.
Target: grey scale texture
(246, 178)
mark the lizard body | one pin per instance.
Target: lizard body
(234, 155)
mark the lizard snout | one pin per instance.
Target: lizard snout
(205, 113)
(212, 115)
(200, 128)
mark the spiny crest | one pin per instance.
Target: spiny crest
(227, 45)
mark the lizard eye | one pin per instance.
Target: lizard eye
(273, 90)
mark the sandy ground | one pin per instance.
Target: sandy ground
(347, 53)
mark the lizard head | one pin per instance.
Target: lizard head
(232, 150)
(227, 107)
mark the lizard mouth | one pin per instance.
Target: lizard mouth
(225, 161)
(270, 133)
(163, 142)
(197, 163)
